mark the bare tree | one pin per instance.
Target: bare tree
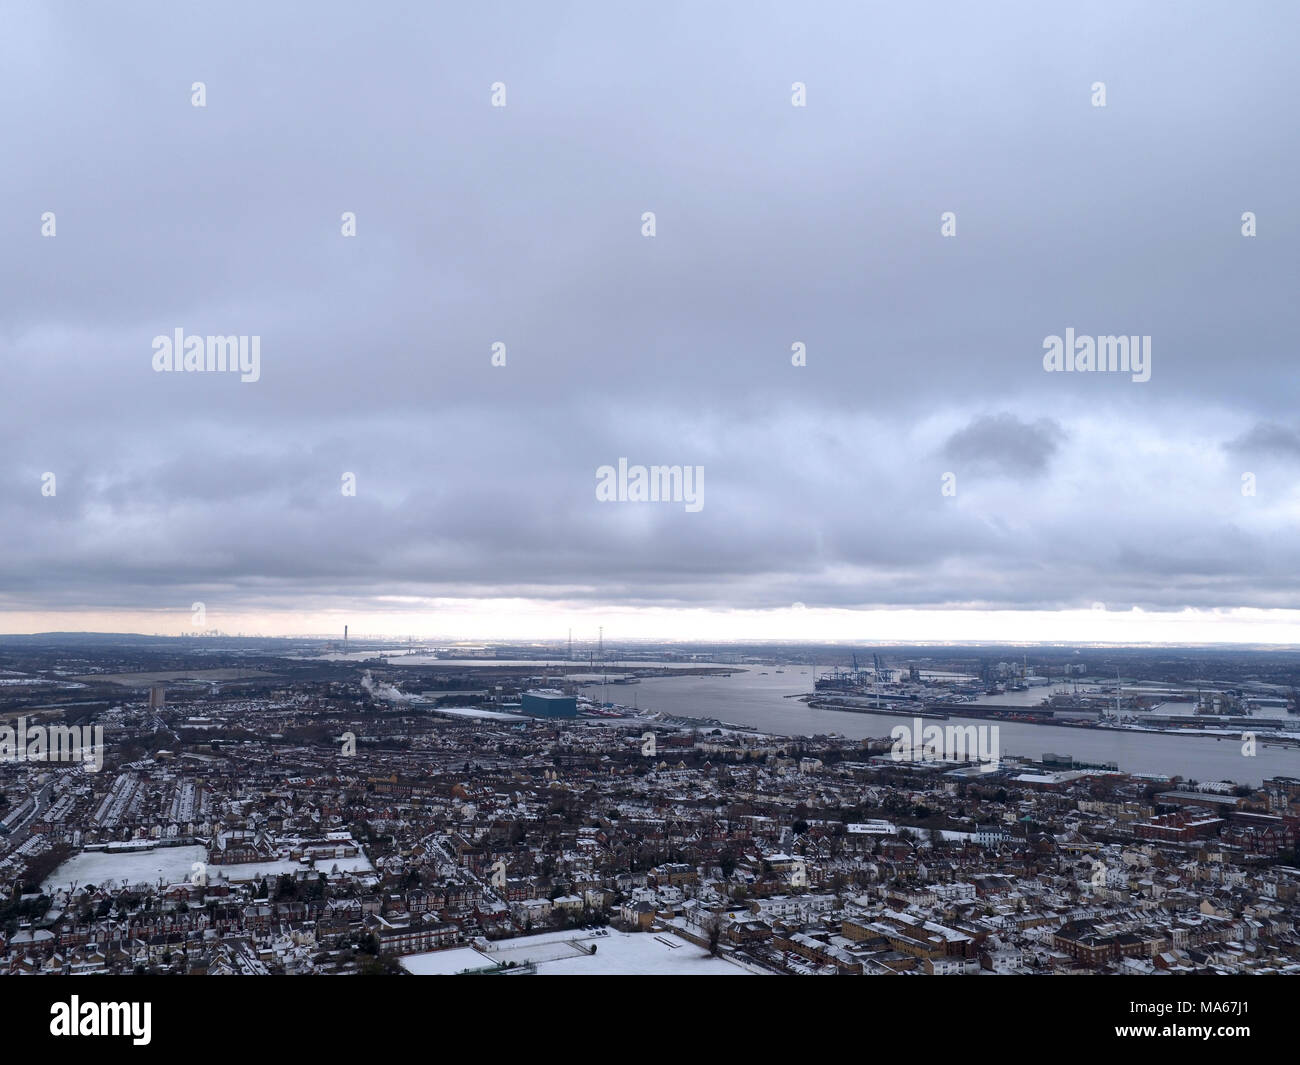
(713, 929)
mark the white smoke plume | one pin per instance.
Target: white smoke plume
(387, 692)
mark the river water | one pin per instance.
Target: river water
(758, 700)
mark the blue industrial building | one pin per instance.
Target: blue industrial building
(549, 704)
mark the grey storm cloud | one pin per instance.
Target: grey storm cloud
(521, 225)
(1002, 443)
(1267, 440)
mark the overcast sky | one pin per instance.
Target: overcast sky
(475, 507)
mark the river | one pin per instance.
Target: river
(757, 698)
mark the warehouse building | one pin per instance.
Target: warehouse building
(549, 704)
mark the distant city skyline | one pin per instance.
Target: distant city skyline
(481, 622)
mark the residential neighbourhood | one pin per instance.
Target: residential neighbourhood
(235, 833)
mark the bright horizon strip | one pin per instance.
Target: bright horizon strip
(497, 620)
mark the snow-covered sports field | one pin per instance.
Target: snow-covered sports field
(175, 864)
(565, 954)
(171, 864)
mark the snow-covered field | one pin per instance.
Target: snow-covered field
(445, 962)
(564, 954)
(359, 864)
(257, 870)
(172, 864)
